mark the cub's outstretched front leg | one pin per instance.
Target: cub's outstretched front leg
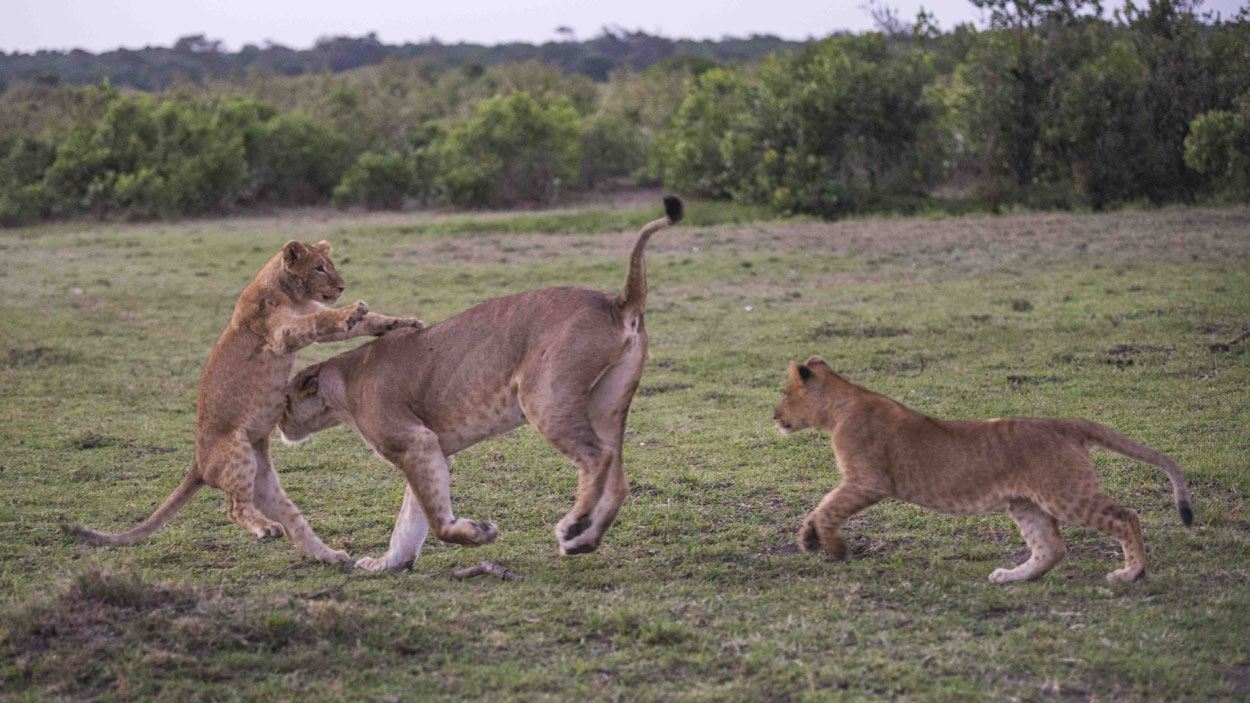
(290, 334)
(378, 325)
(820, 528)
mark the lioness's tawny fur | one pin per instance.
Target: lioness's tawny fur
(1038, 469)
(243, 391)
(565, 360)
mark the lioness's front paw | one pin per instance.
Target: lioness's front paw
(371, 564)
(358, 312)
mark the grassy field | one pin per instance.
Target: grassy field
(698, 592)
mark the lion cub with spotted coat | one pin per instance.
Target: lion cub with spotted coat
(1038, 469)
(243, 393)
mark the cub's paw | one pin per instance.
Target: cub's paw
(809, 539)
(266, 530)
(335, 556)
(399, 323)
(358, 312)
(1005, 576)
(1125, 575)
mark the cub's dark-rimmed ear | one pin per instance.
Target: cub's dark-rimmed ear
(322, 246)
(292, 252)
(799, 372)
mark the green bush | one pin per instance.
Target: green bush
(148, 157)
(611, 148)
(1218, 145)
(295, 160)
(378, 181)
(515, 149)
(827, 131)
(23, 196)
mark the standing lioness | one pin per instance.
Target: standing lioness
(243, 390)
(565, 360)
(1038, 469)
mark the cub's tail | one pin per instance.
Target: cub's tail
(632, 299)
(1094, 433)
(190, 484)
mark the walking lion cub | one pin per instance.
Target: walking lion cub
(1038, 469)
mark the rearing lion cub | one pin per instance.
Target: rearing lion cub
(243, 392)
(1038, 469)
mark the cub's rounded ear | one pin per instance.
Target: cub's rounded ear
(306, 383)
(817, 363)
(292, 252)
(322, 246)
(799, 372)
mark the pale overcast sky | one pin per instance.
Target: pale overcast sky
(27, 25)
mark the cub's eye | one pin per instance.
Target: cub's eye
(321, 269)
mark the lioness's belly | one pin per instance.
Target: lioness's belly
(474, 424)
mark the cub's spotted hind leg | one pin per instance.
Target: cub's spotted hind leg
(1100, 512)
(231, 466)
(1041, 533)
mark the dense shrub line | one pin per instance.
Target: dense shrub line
(1054, 105)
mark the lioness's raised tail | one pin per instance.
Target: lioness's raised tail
(634, 297)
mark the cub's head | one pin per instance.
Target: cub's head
(306, 409)
(806, 399)
(308, 272)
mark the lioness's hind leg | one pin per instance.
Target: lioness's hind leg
(275, 504)
(1041, 533)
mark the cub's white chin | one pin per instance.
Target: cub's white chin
(783, 429)
(287, 440)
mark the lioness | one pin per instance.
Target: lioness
(566, 360)
(1038, 469)
(243, 390)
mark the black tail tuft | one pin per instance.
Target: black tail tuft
(673, 209)
(1187, 514)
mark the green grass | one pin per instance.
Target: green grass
(697, 592)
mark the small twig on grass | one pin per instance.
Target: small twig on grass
(1225, 346)
(486, 567)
